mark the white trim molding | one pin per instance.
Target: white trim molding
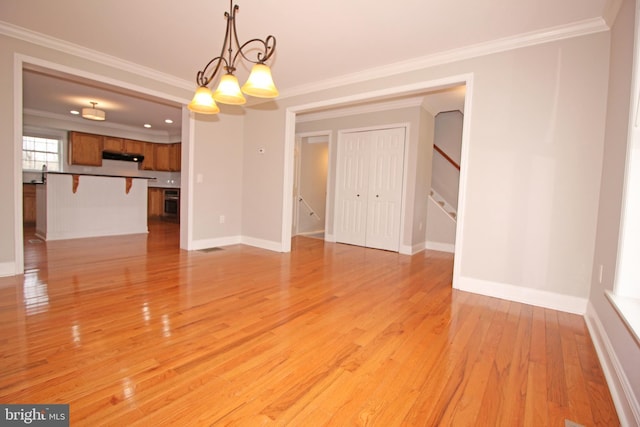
(197, 245)
(442, 247)
(47, 41)
(8, 269)
(624, 398)
(536, 297)
(576, 29)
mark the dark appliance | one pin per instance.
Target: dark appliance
(171, 203)
(127, 157)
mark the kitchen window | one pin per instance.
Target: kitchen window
(40, 151)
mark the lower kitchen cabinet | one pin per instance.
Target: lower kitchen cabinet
(29, 203)
(155, 206)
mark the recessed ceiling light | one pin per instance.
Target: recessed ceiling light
(168, 121)
(74, 112)
(147, 125)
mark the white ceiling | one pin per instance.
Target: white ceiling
(317, 41)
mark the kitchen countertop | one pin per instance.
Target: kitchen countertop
(102, 175)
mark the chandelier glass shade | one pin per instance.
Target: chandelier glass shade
(259, 84)
(203, 102)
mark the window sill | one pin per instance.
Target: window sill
(629, 311)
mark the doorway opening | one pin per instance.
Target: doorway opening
(387, 94)
(311, 163)
(34, 74)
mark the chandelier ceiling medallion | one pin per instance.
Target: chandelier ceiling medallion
(259, 84)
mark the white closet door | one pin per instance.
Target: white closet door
(351, 189)
(385, 189)
(369, 188)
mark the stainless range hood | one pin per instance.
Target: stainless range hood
(126, 157)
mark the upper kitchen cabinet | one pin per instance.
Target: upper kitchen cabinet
(85, 149)
(176, 157)
(133, 146)
(148, 151)
(161, 159)
(167, 157)
(111, 143)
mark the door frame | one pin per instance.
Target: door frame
(421, 87)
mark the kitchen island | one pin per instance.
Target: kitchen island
(73, 205)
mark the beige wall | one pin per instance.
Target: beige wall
(534, 157)
(217, 179)
(607, 322)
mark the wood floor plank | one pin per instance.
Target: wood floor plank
(131, 330)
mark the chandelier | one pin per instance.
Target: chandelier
(93, 113)
(259, 84)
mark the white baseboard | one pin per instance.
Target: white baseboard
(622, 393)
(405, 250)
(83, 235)
(215, 243)
(529, 296)
(442, 247)
(309, 233)
(7, 269)
(263, 244)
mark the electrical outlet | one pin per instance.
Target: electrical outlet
(222, 219)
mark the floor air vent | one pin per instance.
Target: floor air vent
(207, 250)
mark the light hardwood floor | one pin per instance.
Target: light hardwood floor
(134, 331)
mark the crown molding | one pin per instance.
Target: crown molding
(44, 40)
(576, 29)
(610, 13)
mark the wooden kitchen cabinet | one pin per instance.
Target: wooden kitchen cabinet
(162, 155)
(85, 149)
(29, 203)
(113, 144)
(148, 152)
(175, 157)
(132, 146)
(167, 157)
(155, 205)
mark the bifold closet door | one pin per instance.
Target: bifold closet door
(352, 175)
(369, 188)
